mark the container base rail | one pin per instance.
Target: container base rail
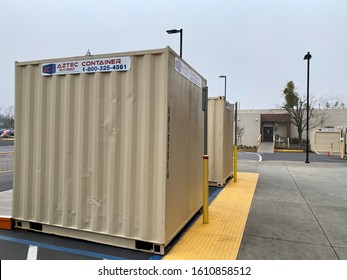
(93, 237)
(222, 183)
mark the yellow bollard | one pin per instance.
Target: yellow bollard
(205, 191)
(235, 163)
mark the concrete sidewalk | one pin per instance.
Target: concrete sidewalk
(265, 147)
(299, 211)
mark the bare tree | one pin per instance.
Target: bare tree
(296, 106)
(7, 117)
(240, 131)
(333, 102)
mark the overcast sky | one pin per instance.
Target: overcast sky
(259, 45)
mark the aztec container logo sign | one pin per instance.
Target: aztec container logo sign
(117, 64)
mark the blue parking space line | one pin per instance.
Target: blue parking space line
(155, 257)
(61, 249)
(214, 195)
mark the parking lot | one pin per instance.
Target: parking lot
(298, 211)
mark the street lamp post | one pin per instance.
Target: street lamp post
(235, 144)
(236, 103)
(307, 57)
(225, 86)
(173, 31)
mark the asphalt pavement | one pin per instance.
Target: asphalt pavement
(7, 142)
(6, 162)
(6, 181)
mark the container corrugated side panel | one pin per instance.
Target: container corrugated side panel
(185, 150)
(90, 151)
(220, 141)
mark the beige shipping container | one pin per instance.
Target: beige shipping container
(327, 140)
(220, 140)
(109, 147)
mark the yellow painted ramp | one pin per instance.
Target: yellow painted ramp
(220, 239)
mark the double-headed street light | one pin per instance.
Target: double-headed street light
(307, 57)
(225, 86)
(173, 31)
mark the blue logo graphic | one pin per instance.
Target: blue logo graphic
(49, 69)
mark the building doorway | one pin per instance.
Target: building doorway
(274, 124)
(268, 132)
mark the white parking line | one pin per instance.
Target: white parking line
(259, 156)
(1, 172)
(32, 252)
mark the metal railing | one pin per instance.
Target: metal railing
(6, 162)
(258, 141)
(282, 142)
(289, 143)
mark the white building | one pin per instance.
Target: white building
(262, 125)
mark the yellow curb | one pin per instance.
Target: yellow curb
(220, 239)
(289, 151)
